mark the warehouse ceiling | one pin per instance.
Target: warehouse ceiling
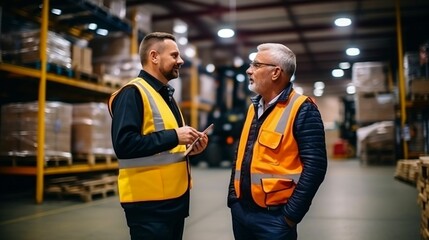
(305, 26)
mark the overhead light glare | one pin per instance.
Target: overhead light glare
(240, 77)
(319, 85)
(351, 89)
(56, 11)
(318, 92)
(238, 61)
(343, 22)
(102, 32)
(180, 28)
(352, 51)
(190, 52)
(344, 65)
(183, 41)
(92, 26)
(210, 68)
(226, 33)
(252, 56)
(337, 73)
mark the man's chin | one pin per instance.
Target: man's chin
(252, 88)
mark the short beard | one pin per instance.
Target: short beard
(252, 88)
(170, 75)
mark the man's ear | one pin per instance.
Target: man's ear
(276, 73)
(153, 55)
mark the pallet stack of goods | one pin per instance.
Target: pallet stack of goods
(74, 134)
(423, 195)
(91, 138)
(376, 143)
(112, 60)
(375, 104)
(416, 69)
(19, 132)
(23, 48)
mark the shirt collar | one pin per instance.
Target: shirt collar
(282, 97)
(157, 85)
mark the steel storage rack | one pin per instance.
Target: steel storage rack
(55, 85)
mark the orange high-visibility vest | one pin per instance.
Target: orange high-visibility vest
(161, 176)
(276, 166)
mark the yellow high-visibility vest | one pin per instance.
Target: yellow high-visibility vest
(161, 176)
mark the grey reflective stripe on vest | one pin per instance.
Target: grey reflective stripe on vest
(257, 177)
(155, 160)
(281, 124)
(157, 119)
(280, 128)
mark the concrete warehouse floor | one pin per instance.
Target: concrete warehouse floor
(355, 202)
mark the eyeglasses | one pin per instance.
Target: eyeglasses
(257, 65)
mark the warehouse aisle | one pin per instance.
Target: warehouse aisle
(354, 203)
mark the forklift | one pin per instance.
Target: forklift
(228, 115)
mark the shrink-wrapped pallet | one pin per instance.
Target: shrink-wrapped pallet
(19, 129)
(91, 129)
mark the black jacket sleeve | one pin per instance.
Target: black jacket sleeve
(310, 136)
(128, 142)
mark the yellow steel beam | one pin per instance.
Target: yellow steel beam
(80, 168)
(401, 77)
(32, 171)
(35, 73)
(42, 103)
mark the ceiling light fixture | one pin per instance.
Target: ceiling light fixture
(228, 31)
(337, 73)
(319, 85)
(252, 56)
(210, 68)
(343, 22)
(351, 89)
(102, 32)
(353, 51)
(92, 26)
(344, 65)
(56, 11)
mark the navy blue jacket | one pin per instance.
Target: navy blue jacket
(309, 133)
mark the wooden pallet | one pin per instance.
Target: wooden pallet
(52, 68)
(86, 189)
(87, 77)
(93, 159)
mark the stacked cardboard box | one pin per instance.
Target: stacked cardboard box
(374, 102)
(91, 129)
(81, 59)
(20, 128)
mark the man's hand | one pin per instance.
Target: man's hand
(187, 135)
(200, 145)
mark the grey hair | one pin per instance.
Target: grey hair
(281, 55)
